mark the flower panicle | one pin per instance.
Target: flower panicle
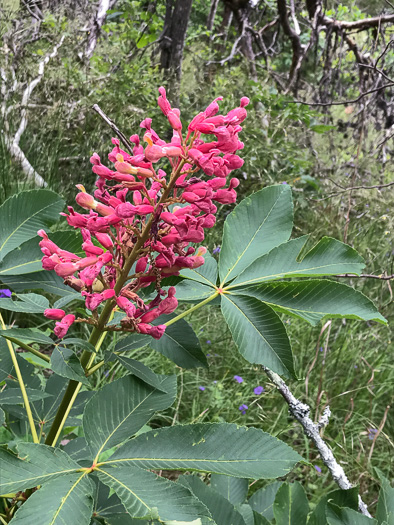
(132, 195)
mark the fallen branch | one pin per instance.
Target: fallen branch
(114, 127)
(381, 277)
(300, 411)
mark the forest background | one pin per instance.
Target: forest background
(320, 77)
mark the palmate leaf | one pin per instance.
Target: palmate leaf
(258, 333)
(263, 499)
(193, 291)
(34, 465)
(28, 303)
(180, 344)
(233, 489)
(26, 335)
(385, 509)
(13, 396)
(132, 342)
(209, 447)
(46, 281)
(65, 363)
(145, 495)
(344, 516)
(315, 300)
(221, 510)
(258, 224)
(120, 409)
(26, 258)
(142, 371)
(341, 498)
(67, 500)
(206, 274)
(23, 214)
(328, 257)
(291, 505)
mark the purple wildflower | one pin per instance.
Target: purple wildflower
(208, 342)
(318, 469)
(202, 388)
(238, 379)
(216, 250)
(372, 433)
(5, 293)
(258, 390)
(243, 408)
(214, 382)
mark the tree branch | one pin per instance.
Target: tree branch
(300, 411)
(12, 143)
(98, 21)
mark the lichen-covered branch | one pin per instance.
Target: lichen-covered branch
(300, 411)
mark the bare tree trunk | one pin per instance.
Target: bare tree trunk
(96, 25)
(172, 43)
(212, 13)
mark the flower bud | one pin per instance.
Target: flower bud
(54, 313)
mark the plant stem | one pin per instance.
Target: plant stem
(21, 385)
(28, 348)
(97, 335)
(192, 309)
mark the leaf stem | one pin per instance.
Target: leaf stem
(28, 348)
(192, 309)
(21, 385)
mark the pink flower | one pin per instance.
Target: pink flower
(61, 327)
(130, 196)
(54, 313)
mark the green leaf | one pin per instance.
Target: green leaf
(28, 303)
(34, 465)
(246, 512)
(221, 510)
(342, 498)
(27, 336)
(386, 499)
(26, 258)
(132, 342)
(66, 364)
(258, 332)
(315, 300)
(344, 516)
(6, 365)
(328, 257)
(180, 344)
(67, 500)
(23, 214)
(263, 499)
(145, 495)
(206, 274)
(260, 520)
(259, 223)
(142, 371)
(210, 447)
(78, 449)
(2, 417)
(233, 489)
(192, 291)
(13, 396)
(46, 281)
(120, 409)
(291, 505)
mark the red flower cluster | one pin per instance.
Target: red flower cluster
(141, 221)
